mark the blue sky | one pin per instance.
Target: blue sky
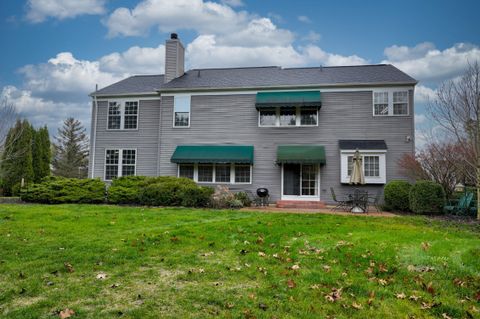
(55, 51)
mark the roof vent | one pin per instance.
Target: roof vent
(173, 36)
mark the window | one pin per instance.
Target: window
(131, 115)
(390, 102)
(268, 117)
(380, 103)
(222, 173)
(122, 115)
(186, 170)
(288, 117)
(242, 174)
(181, 105)
(114, 116)
(217, 173)
(374, 166)
(308, 117)
(119, 162)
(400, 103)
(205, 173)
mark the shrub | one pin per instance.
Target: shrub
(58, 190)
(427, 197)
(396, 194)
(243, 197)
(197, 196)
(224, 198)
(126, 190)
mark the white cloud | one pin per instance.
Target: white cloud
(424, 94)
(233, 3)
(203, 17)
(426, 63)
(205, 51)
(420, 119)
(41, 112)
(135, 60)
(304, 19)
(312, 37)
(40, 10)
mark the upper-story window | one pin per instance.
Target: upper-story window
(181, 112)
(288, 117)
(390, 102)
(122, 115)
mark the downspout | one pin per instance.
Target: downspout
(94, 131)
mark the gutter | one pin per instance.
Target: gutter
(94, 109)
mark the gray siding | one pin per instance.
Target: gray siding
(233, 119)
(145, 139)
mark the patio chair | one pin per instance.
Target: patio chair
(340, 204)
(375, 201)
(460, 206)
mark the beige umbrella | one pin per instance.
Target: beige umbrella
(357, 176)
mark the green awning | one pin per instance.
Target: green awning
(301, 154)
(288, 99)
(213, 154)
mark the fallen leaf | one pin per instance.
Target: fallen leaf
(207, 254)
(260, 240)
(445, 316)
(414, 297)
(382, 282)
(314, 287)
(356, 306)
(295, 267)
(261, 254)
(326, 268)
(382, 268)
(291, 283)
(400, 295)
(69, 267)
(263, 306)
(174, 239)
(335, 295)
(429, 288)
(229, 305)
(66, 313)
(477, 296)
(426, 246)
(458, 282)
(102, 276)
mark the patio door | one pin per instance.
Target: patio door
(300, 181)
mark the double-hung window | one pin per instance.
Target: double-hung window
(120, 162)
(373, 166)
(228, 173)
(181, 112)
(390, 102)
(287, 117)
(122, 115)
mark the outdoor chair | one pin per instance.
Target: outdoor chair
(375, 201)
(460, 206)
(340, 204)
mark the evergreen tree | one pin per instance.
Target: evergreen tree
(41, 153)
(71, 150)
(17, 157)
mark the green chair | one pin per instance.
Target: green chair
(462, 205)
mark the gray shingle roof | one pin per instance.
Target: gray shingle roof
(362, 144)
(133, 84)
(258, 77)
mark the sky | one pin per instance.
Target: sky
(54, 52)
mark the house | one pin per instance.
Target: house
(291, 130)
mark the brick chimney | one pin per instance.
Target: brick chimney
(174, 58)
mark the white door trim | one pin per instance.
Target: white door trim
(301, 197)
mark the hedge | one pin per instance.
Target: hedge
(427, 197)
(59, 190)
(396, 195)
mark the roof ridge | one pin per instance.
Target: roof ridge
(139, 75)
(240, 67)
(336, 66)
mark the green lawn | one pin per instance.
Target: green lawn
(183, 263)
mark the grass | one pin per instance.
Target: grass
(183, 263)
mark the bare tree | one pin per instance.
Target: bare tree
(456, 109)
(8, 117)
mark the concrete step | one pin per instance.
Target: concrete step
(301, 204)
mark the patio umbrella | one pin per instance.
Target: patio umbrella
(357, 176)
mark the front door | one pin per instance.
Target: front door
(300, 181)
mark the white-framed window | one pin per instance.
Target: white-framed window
(373, 162)
(181, 110)
(120, 162)
(224, 173)
(288, 117)
(122, 115)
(390, 102)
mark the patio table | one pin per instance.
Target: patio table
(359, 200)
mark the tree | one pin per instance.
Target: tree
(41, 153)
(17, 156)
(71, 150)
(8, 116)
(456, 109)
